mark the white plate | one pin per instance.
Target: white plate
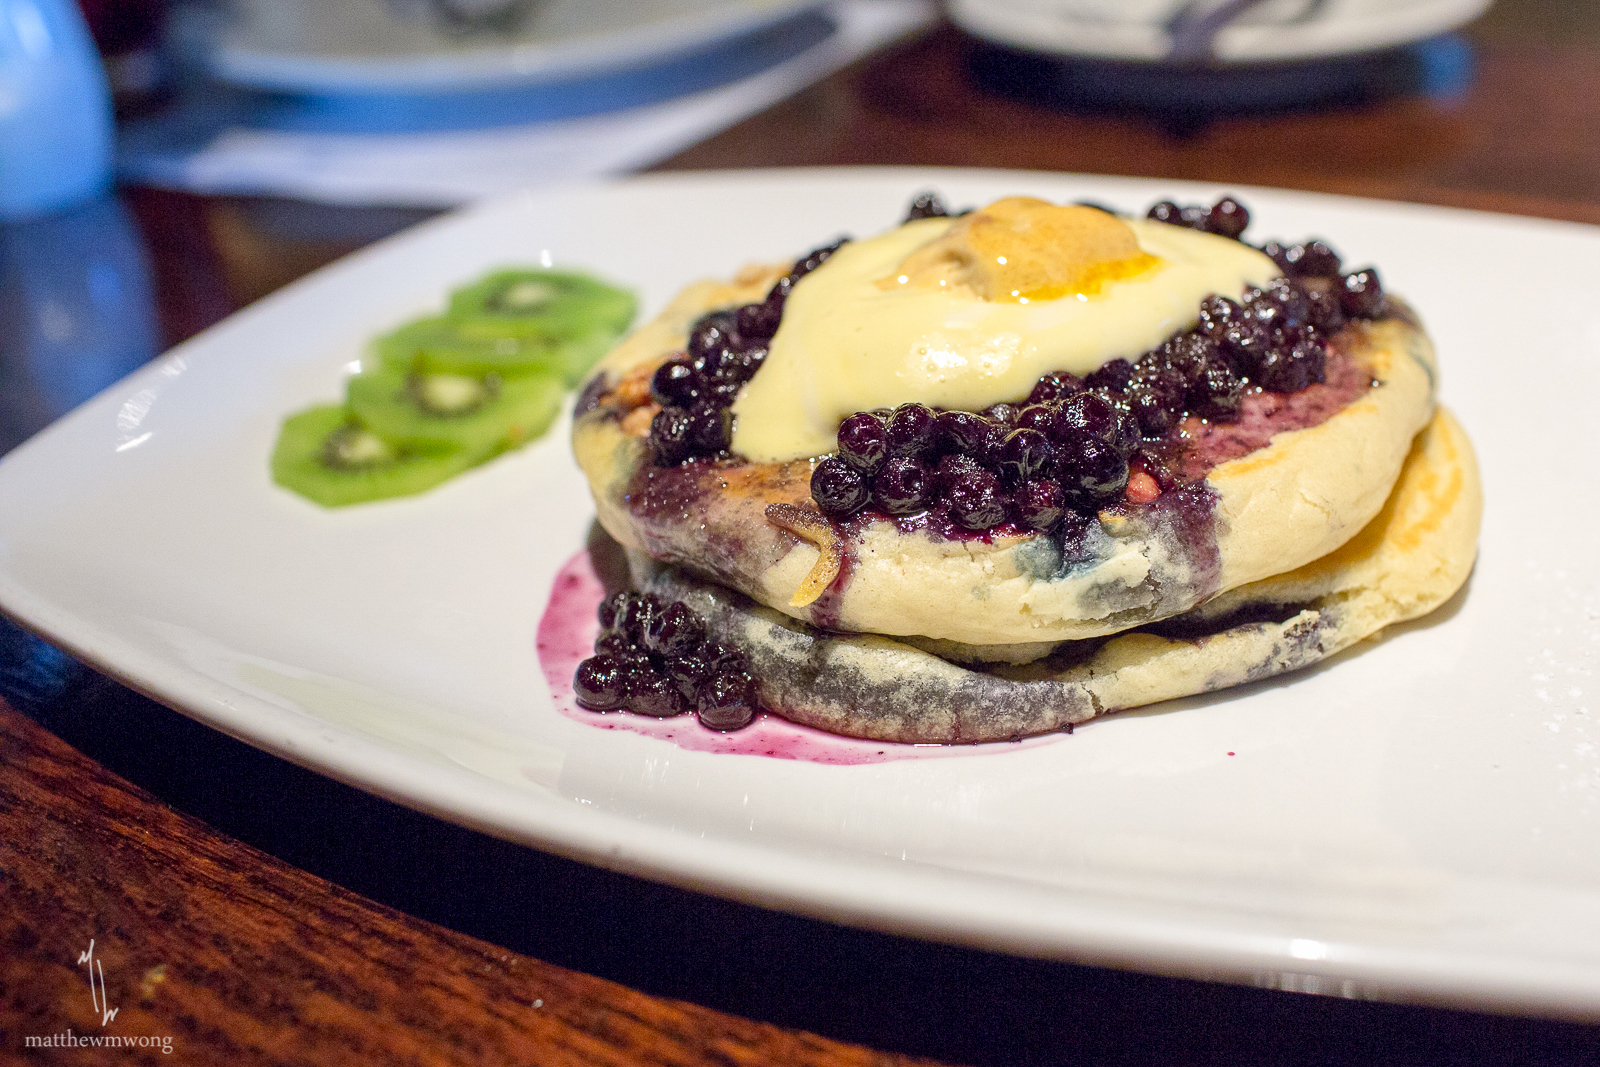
(1275, 31)
(1420, 818)
(363, 46)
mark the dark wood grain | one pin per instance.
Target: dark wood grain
(1519, 138)
(240, 959)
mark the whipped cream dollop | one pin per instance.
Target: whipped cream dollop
(964, 313)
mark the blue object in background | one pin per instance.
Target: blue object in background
(55, 109)
(77, 314)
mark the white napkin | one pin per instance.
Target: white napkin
(451, 167)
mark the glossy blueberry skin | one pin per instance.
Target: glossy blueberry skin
(838, 488)
(727, 701)
(1111, 376)
(1094, 475)
(1038, 505)
(863, 442)
(1313, 259)
(1057, 385)
(674, 631)
(600, 684)
(1081, 416)
(676, 383)
(1227, 218)
(710, 429)
(669, 436)
(657, 697)
(1362, 293)
(976, 501)
(910, 431)
(902, 487)
(965, 432)
(1023, 454)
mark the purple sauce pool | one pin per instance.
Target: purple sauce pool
(567, 631)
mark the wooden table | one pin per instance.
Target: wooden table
(254, 912)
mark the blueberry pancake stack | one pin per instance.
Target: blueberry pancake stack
(990, 475)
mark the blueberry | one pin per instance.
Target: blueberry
(838, 488)
(1362, 294)
(610, 608)
(674, 631)
(968, 433)
(669, 436)
(710, 429)
(1278, 253)
(1166, 211)
(1227, 218)
(1057, 385)
(1004, 414)
(1095, 474)
(976, 500)
(691, 670)
(600, 684)
(1313, 259)
(1279, 307)
(1215, 392)
(634, 615)
(1022, 454)
(1244, 345)
(1037, 505)
(901, 488)
(727, 701)
(1290, 369)
(712, 333)
(1111, 377)
(656, 696)
(863, 442)
(1153, 407)
(1217, 314)
(927, 206)
(952, 469)
(1035, 416)
(1327, 315)
(910, 431)
(1193, 216)
(613, 643)
(1082, 416)
(676, 382)
(759, 321)
(1187, 354)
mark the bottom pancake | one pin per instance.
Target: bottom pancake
(1408, 560)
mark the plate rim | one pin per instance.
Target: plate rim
(763, 874)
(503, 66)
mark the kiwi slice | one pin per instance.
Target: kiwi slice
(442, 345)
(559, 302)
(482, 415)
(329, 457)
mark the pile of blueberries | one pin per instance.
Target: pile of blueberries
(725, 349)
(653, 658)
(1068, 449)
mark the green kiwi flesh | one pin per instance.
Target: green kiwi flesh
(308, 459)
(450, 391)
(442, 345)
(481, 415)
(569, 305)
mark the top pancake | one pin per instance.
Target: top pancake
(1298, 497)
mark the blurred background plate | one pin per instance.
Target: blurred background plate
(373, 46)
(1244, 32)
